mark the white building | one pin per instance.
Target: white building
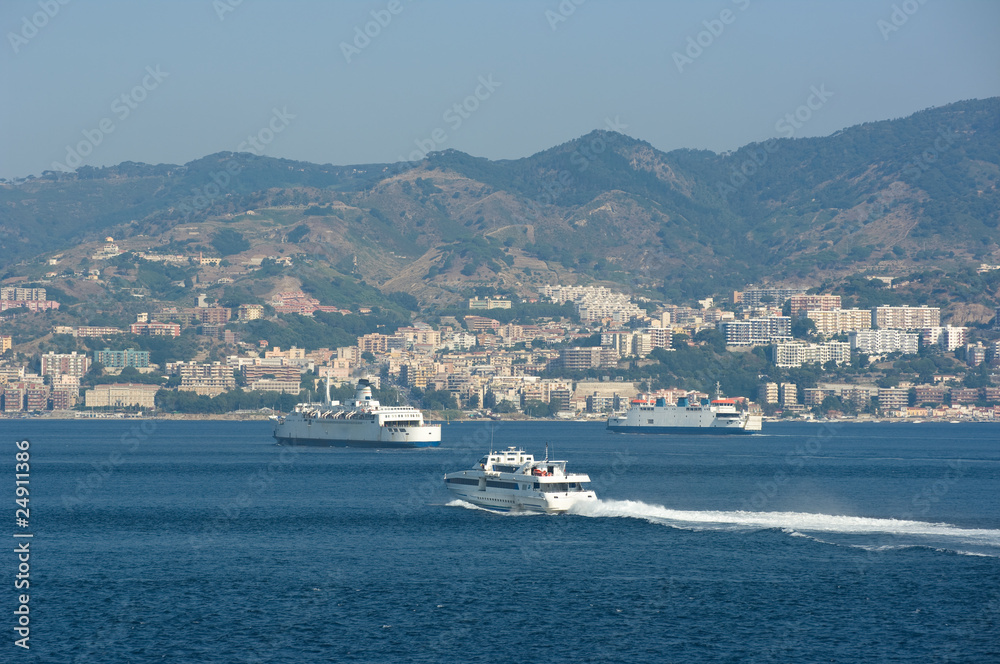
(906, 318)
(836, 321)
(948, 337)
(797, 353)
(882, 342)
(756, 331)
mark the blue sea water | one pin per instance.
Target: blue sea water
(204, 542)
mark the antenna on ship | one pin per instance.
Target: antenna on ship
(328, 390)
(718, 390)
(546, 452)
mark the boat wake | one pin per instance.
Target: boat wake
(872, 534)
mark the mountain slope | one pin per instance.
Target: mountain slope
(900, 194)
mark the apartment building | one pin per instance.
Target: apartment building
(756, 331)
(800, 304)
(249, 312)
(796, 353)
(788, 394)
(155, 329)
(768, 393)
(885, 341)
(71, 364)
(757, 297)
(115, 359)
(893, 398)
(837, 321)
(906, 318)
(948, 338)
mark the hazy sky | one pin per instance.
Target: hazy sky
(171, 81)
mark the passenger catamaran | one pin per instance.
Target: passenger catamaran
(513, 481)
(720, 416)
(362, 422)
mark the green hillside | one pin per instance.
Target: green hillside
(891, 197)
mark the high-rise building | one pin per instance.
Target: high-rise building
(906, 318)
(756, 331)
(800, 304)
(948, 337)
(884, 341)
(788, 394)
(768, 393)
(836, 321)
(756, 297)
(122, 358)
(796, 353)
(71, 364)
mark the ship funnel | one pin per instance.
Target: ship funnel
(328, 400)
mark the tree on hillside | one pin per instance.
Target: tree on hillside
(228, 242)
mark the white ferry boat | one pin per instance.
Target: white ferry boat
(514, 481)
(716, 417)
(362, 422)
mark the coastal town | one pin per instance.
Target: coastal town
(482, 362)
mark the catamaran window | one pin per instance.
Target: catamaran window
(501, 485)
(559, 487)
(462, 480)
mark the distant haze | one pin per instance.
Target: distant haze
(361, 82)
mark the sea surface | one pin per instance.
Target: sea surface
(205, 542)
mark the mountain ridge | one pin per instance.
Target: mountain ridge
(919, 191)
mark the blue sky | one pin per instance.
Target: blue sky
(168, 82)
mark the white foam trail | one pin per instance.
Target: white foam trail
(789, 521)
(468, 506)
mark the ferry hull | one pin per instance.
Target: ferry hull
(512, 502)
(335, 434)
(718, 418)
(687, 431)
